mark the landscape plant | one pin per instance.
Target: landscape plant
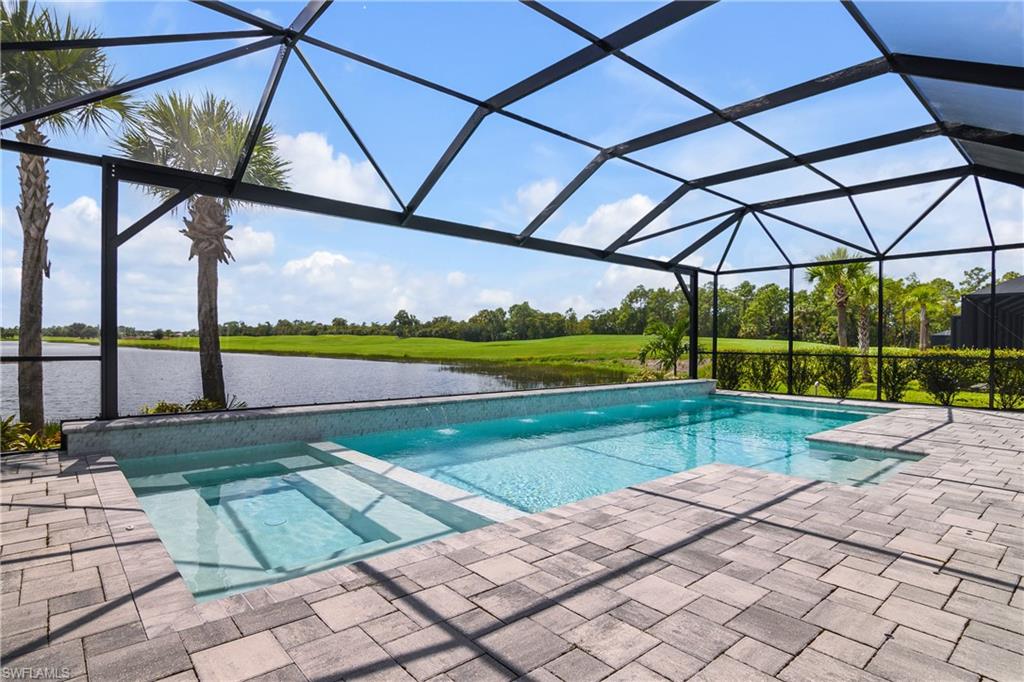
(840, 279)
(897, 373)
(764, 371)
(944, 374)
(195, 405)
(805, 373)
(1008, 379)
(731, 371)
(839, 373)
(33, 79)
(19, 436)
(204, 134)
(667, 345)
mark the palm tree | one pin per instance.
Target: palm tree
(668, 345)
(32, 79)
(203, 134)
(924, 296)
(839, 278)
(863, 293)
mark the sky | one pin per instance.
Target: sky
(300, 266)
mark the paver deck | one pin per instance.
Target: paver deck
(719, 573)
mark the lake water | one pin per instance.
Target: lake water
(71, 389)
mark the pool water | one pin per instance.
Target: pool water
(547, 460)
(236, 519)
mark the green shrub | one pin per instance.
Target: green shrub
(944, 374)
(16, 436)
(194, 405)
(731, 371)
(1008, 379)
(764, 371)
(805, 373)
(645, 374)
(897, 373)
(839, 372)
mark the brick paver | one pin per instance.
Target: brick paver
(718, 573)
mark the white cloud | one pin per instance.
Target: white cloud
(532, 198)
(248, 244)
(456, 279)
(317, 169)
(494, 298)
(610, 220)
(320, 267)
(76, 224)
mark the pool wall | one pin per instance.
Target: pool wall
(163, 434)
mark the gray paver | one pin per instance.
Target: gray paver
(674, 578)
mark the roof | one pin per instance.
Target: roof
(960, 64)
(1010, 286)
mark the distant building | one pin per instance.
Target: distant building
(970, 329)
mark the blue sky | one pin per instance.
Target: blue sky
(295, 265)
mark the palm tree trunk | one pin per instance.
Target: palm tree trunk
(841, 323)
(922, 341)
(207, 226)
(34, 213)
(210, 364)
(864, 341)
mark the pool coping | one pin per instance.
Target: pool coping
(168, 605)
(160, 434)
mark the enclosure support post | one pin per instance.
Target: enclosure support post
(108, 292)
(880, 331)
(992, 334)
(789, 336)
(714, 327)
(694, 324)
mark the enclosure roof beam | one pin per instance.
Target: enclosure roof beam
(211, 185)
(240, 14)
(874, 259)
(669, 230)
(309, 15)
(592, 167)
(770, 236)
(975, 73)
(671, 84)
(645, 26)
(876, 186)
(260, 117)
(817, 86)
(165, 207)
(998, 174)
(706, 237)
(828, 153)
(728, 246)
(136, 83)
(348, 125)
(648, 218)
(880, 45)
(95, 43)
(925, 213)
(638, 30)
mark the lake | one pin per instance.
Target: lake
(71, 389)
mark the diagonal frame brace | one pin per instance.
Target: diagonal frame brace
(168, 205)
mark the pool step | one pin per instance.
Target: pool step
(477, 504)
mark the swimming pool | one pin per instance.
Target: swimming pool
(546, 460)
(236, 519)
(233, 519)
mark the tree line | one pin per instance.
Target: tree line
(745, 311)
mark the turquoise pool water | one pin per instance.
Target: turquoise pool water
(236, 519)
(551, 459)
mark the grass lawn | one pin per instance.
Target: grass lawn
(613, 351)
